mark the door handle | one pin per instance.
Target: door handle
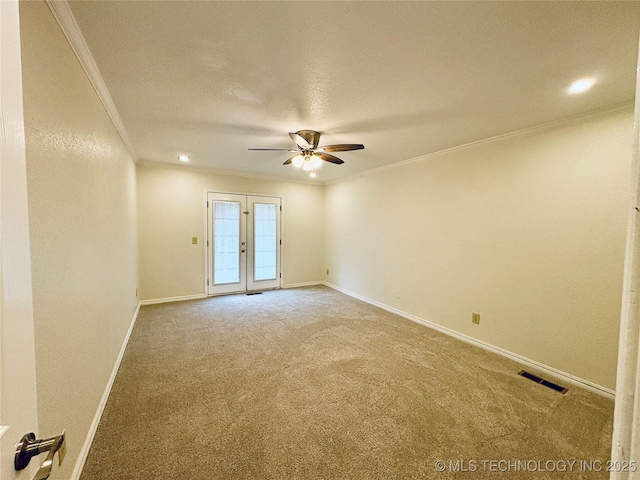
(29, 447)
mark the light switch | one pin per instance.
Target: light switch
(194, 240)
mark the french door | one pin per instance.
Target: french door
(243, 239)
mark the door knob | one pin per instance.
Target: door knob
(29, 447)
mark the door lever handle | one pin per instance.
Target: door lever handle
(29, 447)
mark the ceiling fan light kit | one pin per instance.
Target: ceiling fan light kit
(309, 155)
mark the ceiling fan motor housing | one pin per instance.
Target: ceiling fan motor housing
(311, 136)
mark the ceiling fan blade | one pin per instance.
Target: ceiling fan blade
(274, 149)
(288, 162)
(343, 147)
(300, 141)
(329, 158)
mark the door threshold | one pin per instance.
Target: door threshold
(258, 292)
(243, 292)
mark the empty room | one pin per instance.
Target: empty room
(319, 240)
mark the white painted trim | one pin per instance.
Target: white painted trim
(82, 458)
(182, 298)
(77, 471)
(64, 16)
(283, 244)
(304, 284)
(624, 107)
(566, 377)
(625, 442)
(227, 172)
(207, 250)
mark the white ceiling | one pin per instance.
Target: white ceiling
(212, 79)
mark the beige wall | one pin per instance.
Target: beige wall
(529, 232)
(81, 191)
(171, 206)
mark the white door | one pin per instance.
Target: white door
(263, 252)
(243, 239)
(227, 242)
(18, 407)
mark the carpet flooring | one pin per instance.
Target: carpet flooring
(311, 384)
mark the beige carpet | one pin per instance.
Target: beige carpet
(311, 384)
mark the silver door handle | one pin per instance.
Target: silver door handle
(29, 447)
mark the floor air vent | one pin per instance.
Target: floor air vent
(542, 381)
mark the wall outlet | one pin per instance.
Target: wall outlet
(475, 318)
(194, 240)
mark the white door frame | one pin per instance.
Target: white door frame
(625, 444)
(245, 265)
(18, 401)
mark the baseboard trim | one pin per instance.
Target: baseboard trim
(566, 377)
(303, 284)
(182, 298)
(200, 296)
(82, 458)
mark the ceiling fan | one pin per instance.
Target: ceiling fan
(309, 156)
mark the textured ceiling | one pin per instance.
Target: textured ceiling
(212, 79)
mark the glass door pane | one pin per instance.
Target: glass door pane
(226, 238)
(265, 247)
(263, 234)
(226, 243)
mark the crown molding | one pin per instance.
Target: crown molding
(583, 117)
(64, 16)
(226, 173)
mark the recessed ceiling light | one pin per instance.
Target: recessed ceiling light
(183, 158)
(580, 86)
